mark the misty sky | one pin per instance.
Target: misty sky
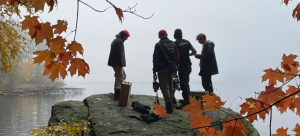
(250, 36)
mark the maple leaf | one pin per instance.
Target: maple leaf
(291, 90)
(212, 102)
(80, 65)
(250, 106)
(289, 60)
(38, 5)
(120, 14)
(57, 43)
(272, 76)
(204, 121)
(75, 47)
(293, 71)
(283, 105)
(297, 129)
(51, 3)
(262, 114)
(12, 2)
(60, 26)
(55, 69)
(159, 110)
(29, 23)
(286, 1)
(270, 96)
(238, 127)
(295, 104)
(281, 132)
(44, 55)
(43, 31)
(66, 58)
(296, 12)
(211, 131)
(194, 108)
(59, 52)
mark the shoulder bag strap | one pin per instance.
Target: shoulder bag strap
(163, 51)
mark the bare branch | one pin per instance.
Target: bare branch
(234, 128)
(94, 8)
(270, 121)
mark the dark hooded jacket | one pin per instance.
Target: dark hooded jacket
(117, 52)
(159, 59)
(208, 62)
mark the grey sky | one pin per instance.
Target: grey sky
(250, 36)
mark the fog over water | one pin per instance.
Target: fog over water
(249, 37)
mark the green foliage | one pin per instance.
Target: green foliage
(63, 129)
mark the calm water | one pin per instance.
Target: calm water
(19, 114)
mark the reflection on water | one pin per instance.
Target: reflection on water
(19, 114)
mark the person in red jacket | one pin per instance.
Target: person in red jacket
(162, 68)
(117, 60)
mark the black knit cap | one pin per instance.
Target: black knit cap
(178, 34)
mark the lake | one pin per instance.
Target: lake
(19, 114)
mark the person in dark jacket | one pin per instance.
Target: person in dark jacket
(184, 48)
(117, 60)
(161, 66)
(208, 62)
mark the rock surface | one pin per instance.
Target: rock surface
(113, 120)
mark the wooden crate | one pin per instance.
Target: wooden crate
(125, 93)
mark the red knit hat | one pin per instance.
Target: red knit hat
(126, 32)
(162, 32)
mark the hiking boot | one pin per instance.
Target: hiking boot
(169, 107)
(117, 94)
(182, 105)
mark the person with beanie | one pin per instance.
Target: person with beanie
(184, 48)
(162, 68)
(117, 60)
(208, 62)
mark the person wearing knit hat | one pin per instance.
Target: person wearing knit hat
(162, 69)
(184, 48)
(117, 60)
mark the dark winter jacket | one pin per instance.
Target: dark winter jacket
(159, 60)
(117, 53)
(208, 62)
(184, 47)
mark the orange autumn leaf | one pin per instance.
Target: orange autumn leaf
(270, 96)
(44, 55)
(194, 109)
(293, 71)
(202, 122)
(283, 105)
(59, 52)
(272, 75)
(67, 57)
(60, 26)
(212, 102)
(286, 1)
(38, 5)
(57, 43)
(289, 60)
(297, 129)
(43, 31)
(238, 127)
(120, 14)
(75, 47)
(296, 12)
(250, 106)
(80, 65)
(55, 69)
(295, 104)
(51, 3)
(281, 132)
(211, 131)
(29, 23)
(159, 110)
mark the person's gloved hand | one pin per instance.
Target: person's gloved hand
(198, 56)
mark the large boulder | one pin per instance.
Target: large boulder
(108, 118)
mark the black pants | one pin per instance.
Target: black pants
(206, 83)
(184, 77)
